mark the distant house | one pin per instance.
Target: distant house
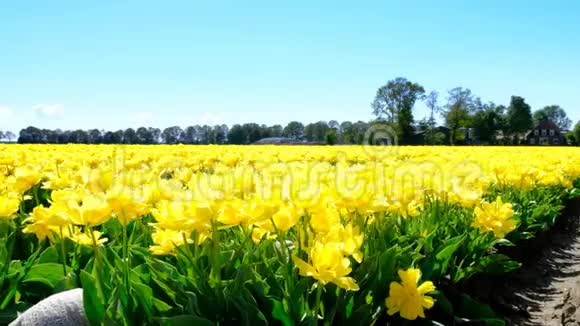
(420, 136)
(545, 133)
(277, 141)
(469, 137)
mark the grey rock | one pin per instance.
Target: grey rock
(61, 309)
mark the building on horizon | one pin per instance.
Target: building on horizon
(545, 133)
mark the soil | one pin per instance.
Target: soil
(546, 290)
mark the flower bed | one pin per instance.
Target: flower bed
(271, 234)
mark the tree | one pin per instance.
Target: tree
(431, 102)
(394, 103)
(144, 136)
(487, 121)
(276, 130)
(10, 136)
(221, 133)
(316, 131)
(345, 131)
(206, 135)
(294, 130)
(519, 116)
(94, 136)
(1, 135)
(189, 135)
(253, 132)
(30, 135)
(265, 131)
(118, 136)
(155, 134)
(460, 103)
(423, 125)
(360, 128)
(63, 137)
(427, 128)
(331, 137)
(79, 137)
(333, 124)
(237, 135)
(51, 136)
(130, 136)
(570, 138)
(171, 135)
(576, 132)
(109, 138)
(554, 113)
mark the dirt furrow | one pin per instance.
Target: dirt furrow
(546, 290)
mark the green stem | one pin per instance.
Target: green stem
(216, 270)
(319, 288)
(189, 255)
(9, 297)
(125, 259)
(11, 236)
(62, 252)
(336, 306)
(281, 253)
(289, 263)
(35, 193)
(97, 265)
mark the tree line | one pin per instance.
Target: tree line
(320, 132)
(461, 110)
(466, 117)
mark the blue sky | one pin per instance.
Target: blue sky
(118, 64)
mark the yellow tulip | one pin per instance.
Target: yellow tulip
(496, 217)
(165, 241)
(8, 207)
(327, 265)
(407, 297)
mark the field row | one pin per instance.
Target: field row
(270, 234)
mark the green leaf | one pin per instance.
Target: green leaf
(193, 303)
(167, 290)
(15, 269)
(280, 314)
(144, 296)
(444, 256)
(493, 321)
(93, 304)
(361, 316)
(50, 255)
(498, 264)
(386, 271)
(297, 302)
(443, 303)
(350, 306)
(161, 306)
(185, 320)
(71, 281)
(49, 274)
(470, 308)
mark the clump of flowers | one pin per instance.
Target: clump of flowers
(496, 217)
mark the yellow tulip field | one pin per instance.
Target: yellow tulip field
(268, 235)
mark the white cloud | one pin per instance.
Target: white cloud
(5, 112)
(49, 110)
(144, 119)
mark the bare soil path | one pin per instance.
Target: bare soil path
(546, 290)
